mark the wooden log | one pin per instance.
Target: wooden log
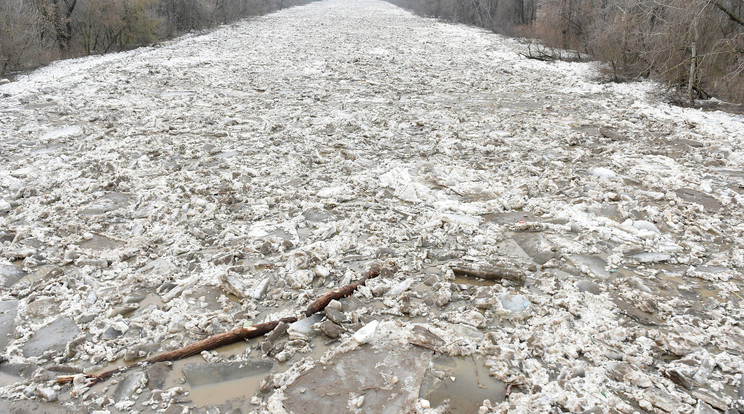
(490, 273)
(342, 292)
(229, 337)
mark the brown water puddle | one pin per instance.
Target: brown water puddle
(474, 281)
(692, 289)
(230, 384)
(227, 384)
(463, 388)
(236, 388)
(151, 299)
(376, 380)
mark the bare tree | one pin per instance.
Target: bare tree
(21, 41)
(58, 13)
(694, 45)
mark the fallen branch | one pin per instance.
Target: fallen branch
(425, 346)
(447, 187)
(490, 273)
(477, 374)
(230, 337)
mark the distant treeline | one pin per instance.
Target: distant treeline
(35, 32)
(694, 45)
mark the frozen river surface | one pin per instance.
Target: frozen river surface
(149, 199)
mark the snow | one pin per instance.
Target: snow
(177, 191)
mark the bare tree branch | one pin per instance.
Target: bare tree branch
(728, 12)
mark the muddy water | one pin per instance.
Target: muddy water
(463, 385)
(474, 281)
(233, 393)
(236, 393)
(151, 299)
(228, 391)
(225, 384)
(690, 289)
(7, 379)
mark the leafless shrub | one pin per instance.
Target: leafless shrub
(103, 25)
(696, 46)
(34, 32)
(22, 40)
(537, 50)
(500, 16)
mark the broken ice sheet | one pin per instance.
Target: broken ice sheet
(449, 117)
(10, 274)
(53, 337)
(109, 202)
(593, 265)
(388, 377)
(127, 387)
(651, 257)
(61, 133)
(8, 312)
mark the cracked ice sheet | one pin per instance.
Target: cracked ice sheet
(283, 153)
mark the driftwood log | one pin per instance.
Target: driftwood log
(230, 337)
(490, 273)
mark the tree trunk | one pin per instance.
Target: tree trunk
(692, 79)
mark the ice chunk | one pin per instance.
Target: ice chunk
(400, 287)
(321, 271)
(110, 202)
(331, 329)
(408, 193)
(366, 333)
(157, 374)
(53, 337)
(300, 279)
(8, 312)
(394, 374)
(603, 173)
(304, 326)
(651, 257)
(159, 267)
(588, 286)
(461, 219)
(129, 385)
(46, 393)
(317, 215)
(670, 248)
(406, 187)
(260, 290)
(514, 303)
(234, 285)
(62, 132)
(336, 315)
(10, 275)
(592, 265)
(645, 225)
(331, 192)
